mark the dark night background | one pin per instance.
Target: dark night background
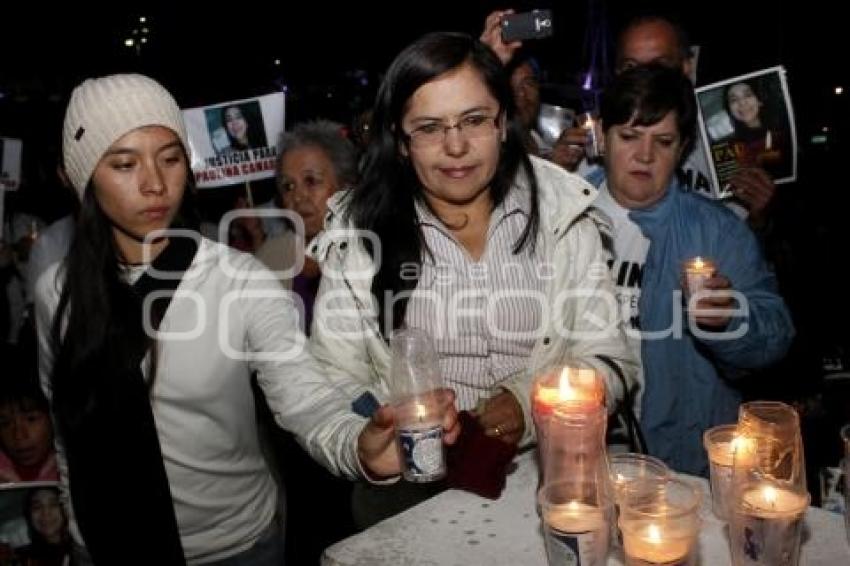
(331, 56)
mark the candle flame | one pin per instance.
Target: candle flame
(421, 411)
(740, 443)
(654, 534)
(769, 494)
(698, 263)
(565, 390)
(620, 478)
(573, 505)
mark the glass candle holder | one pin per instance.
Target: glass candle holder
(569, 390)
(576, 524)
(696, 271)
(721, 443)
(626, 468)
(419, 401)
(769, 498)
(659, 519)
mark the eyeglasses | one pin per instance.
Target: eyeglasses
(470, 127)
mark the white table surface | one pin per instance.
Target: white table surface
(457, 528)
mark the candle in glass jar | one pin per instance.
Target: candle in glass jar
(576, 533)
(420, 440)
(697, 271)
(573, 389)
(767, 525)
(724, 445)
(652, 543)
(771, 501)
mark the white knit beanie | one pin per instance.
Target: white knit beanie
(102, 110)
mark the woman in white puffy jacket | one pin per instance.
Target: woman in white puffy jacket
(456, 230)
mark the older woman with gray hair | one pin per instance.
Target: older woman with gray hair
(315, 160)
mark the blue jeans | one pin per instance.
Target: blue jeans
(267, 551)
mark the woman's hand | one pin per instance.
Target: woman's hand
(376, 445)
(502, 418)
(715, 302)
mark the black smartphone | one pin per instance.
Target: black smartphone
(527, 25)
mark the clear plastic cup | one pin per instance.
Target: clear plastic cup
(659, 519)
(576, 523)
(419, 401)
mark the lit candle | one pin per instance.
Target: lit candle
(767, 526)
(697, 271)
(724, 445)
(770, 501)
(576, 533)
(421, 412)
(649, 543)
(593, 148)
(420, 440)
(574, 389)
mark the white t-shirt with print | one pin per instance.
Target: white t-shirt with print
(630, 250)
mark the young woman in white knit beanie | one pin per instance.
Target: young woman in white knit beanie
(148, 338)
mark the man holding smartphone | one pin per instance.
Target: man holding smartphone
(568, 150)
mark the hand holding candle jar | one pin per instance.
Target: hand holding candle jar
(419, 404)
(659, 520)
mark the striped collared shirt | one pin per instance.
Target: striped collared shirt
(484, 315)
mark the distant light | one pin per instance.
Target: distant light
(142, 19)
(839, 90)
(588, 81)
(277, 61)
(145, 30)
(825, 129)
(330, 95)
(129, 42)
(819, 139)
(144, 40)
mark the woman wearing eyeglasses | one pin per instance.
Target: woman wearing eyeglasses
(455, 229)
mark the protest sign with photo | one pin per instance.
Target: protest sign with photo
(748, 121)
(236, 141)
(10, 163)
(33, 525)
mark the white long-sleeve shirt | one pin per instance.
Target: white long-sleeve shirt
(234, 318)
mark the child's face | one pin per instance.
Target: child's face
(25, 434)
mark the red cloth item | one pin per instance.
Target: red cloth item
(477, 462)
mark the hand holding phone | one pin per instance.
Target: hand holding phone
(527, 25)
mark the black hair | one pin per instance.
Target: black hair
(743, 131)
(96, 319)
(645, 94)
(384, 201)
(253, 130)
(22, 390)
(37, 541)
